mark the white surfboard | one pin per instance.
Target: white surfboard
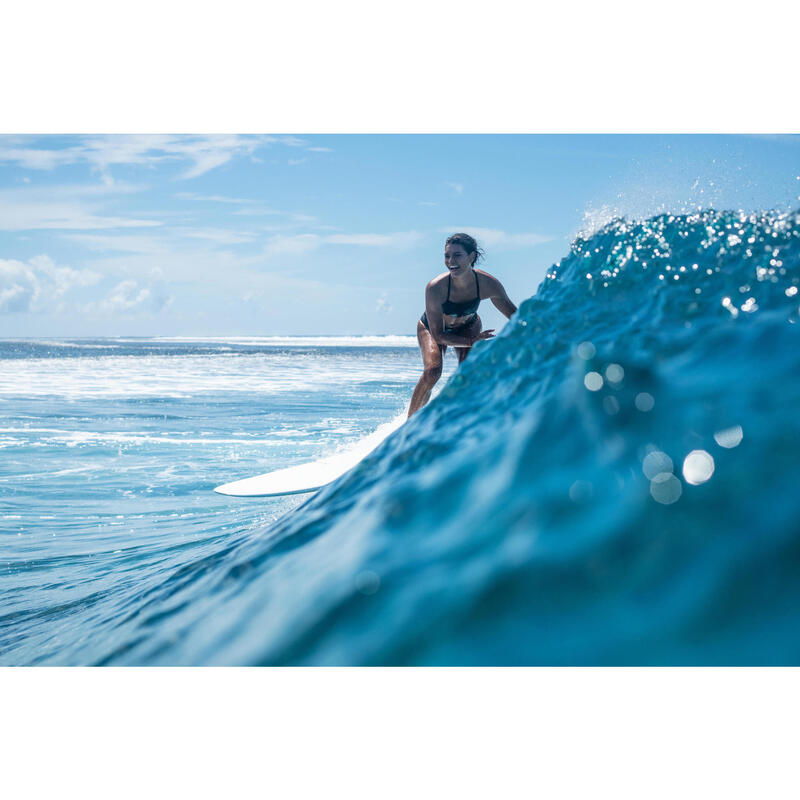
(312, 476)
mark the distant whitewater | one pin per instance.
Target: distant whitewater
(612, 480)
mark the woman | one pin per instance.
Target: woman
(451, 305)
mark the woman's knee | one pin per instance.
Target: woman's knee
(432, 374)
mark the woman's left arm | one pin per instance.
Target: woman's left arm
(497, 294)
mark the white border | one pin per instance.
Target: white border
(423, 66)
(400, 733)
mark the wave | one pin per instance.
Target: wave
(611, 480)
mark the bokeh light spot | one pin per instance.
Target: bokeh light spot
(656, 463)
(593, 381)
(729, 437)
(586, 350)
(665, 488)
(698, 467)
(367, 582)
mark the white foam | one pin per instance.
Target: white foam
(295, 341)
(188, 375)
(57, 343)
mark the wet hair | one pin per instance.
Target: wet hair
(468, 243)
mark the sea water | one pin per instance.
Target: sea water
(611, 480)
(110, 449)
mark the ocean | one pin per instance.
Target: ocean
(609, 481)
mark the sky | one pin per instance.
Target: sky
(259, 235)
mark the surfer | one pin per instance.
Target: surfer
(450, 316)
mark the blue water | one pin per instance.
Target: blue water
(611, 480)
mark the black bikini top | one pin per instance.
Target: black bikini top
(452, 309)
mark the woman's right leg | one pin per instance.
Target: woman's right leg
(432, 354)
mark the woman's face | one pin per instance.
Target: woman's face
(456, 258)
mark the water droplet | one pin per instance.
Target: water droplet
(656, 463)
(593, 381)
(644, 401)
(698, 467)
(586, 350)
(367, 582)
(581, 491)
(729, 437)
(665, 488)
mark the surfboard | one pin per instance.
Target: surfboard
(314, 475)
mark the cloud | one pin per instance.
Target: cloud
(292, 217)
(218, 235)
(212, 198)
(426, 203)
(458, 188)
(39, 284)
(122, 243)
(306, 242)
(125, 296)
(129, 296)
(293, 162)
(491, 237)
(406, 239)
(205, 162)
(319, 149)
(292, 245)
(383, 306)
(65, 208)
(204, 152)
(22, 215)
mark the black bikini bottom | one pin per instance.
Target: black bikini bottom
(447, 328)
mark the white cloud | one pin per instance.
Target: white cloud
(218, 235)
(39, 284)
(22, 215)
(125, 296)
(319, 149)
(292, 245)
(292, 218)
(458, 188)
(63, 207)
(122, 243)
(212, 198)
(383, 305)
(406, 239)
(204, 152)
(293, 162)
(305, 242)
(129, 296)
(490, 237)
(204, 162)
(32, 158)
(19, 287)
(164, 244)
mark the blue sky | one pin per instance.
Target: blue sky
(171, 235)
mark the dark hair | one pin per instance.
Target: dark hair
(468, 243)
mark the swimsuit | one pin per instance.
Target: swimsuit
(453, 309)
